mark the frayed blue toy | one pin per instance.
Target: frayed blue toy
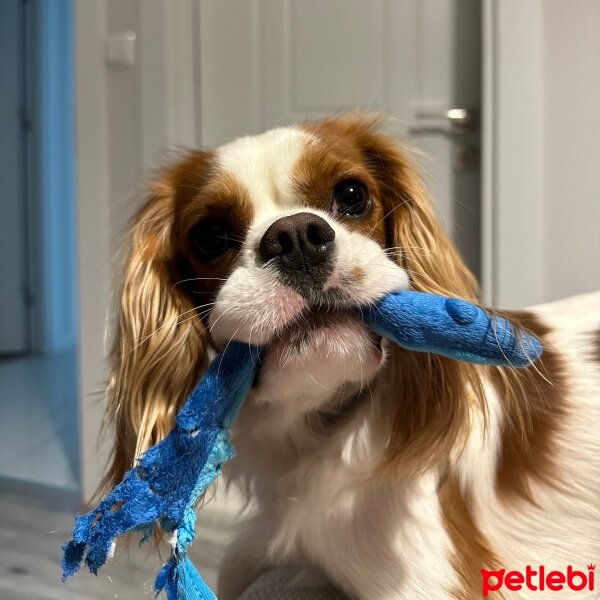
(172, 475)
(451, 327)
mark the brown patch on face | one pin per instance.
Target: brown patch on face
(534, 410)
(329, 161)
(202, 192)
(407, 224)
(357, 274)
(471, 549)
(597, 346)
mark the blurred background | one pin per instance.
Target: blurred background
(501, 96)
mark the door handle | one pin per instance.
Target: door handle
(451, 122)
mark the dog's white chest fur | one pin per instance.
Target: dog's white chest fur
(375, 539)
(376, 528)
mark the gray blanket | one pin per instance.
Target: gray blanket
(276, 585)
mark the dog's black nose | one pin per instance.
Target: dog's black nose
(301, 246)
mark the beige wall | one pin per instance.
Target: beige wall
(109, 165)
(124, 135)
(542, 149)
(572, 146)
(93, 229)
(126, 118)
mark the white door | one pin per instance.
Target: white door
(270, 62)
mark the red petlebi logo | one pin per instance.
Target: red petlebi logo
(537, 580)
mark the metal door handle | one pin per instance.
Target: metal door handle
(454, 121)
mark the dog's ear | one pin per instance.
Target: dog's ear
(159, 348)
(413, 230)
(424, 430)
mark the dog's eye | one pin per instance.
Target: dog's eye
(211, 238)
(350, 197)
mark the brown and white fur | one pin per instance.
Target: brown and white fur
(397, 475)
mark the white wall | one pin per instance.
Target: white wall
(571, 146)
(123, 97)
(513, 101)
(151, 105)
(92, 227)
(542, 179)
(126, 118)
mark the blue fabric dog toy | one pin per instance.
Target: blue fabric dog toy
(172, 475)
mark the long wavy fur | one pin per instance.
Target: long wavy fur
(159, 348)
(159, 345)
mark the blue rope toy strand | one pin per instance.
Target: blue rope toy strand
(173, 474)
(169, 479)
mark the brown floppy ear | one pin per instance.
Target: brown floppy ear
(427, 427)
(414, 234)
(413, 230)
(159, 346)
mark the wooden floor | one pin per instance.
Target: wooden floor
(32, 532)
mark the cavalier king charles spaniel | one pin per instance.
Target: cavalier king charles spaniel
(394, 474)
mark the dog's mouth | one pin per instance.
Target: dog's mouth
(313, 321)
(322, 331)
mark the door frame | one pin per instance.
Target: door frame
(513, 150)
(49, 114)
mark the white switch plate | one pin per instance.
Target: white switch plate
(120, 50)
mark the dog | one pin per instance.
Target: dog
(394, 474)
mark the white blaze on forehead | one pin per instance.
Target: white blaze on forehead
(264, 164)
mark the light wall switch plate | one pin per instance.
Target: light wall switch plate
(120, 50)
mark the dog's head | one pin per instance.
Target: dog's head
(275, 240)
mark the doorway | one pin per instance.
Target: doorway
(38, 313)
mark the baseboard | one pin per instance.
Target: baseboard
(35, 494)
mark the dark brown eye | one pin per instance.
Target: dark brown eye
(211, 238)
(351, 198)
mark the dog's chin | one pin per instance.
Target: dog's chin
(317, 355)
(333, 332)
